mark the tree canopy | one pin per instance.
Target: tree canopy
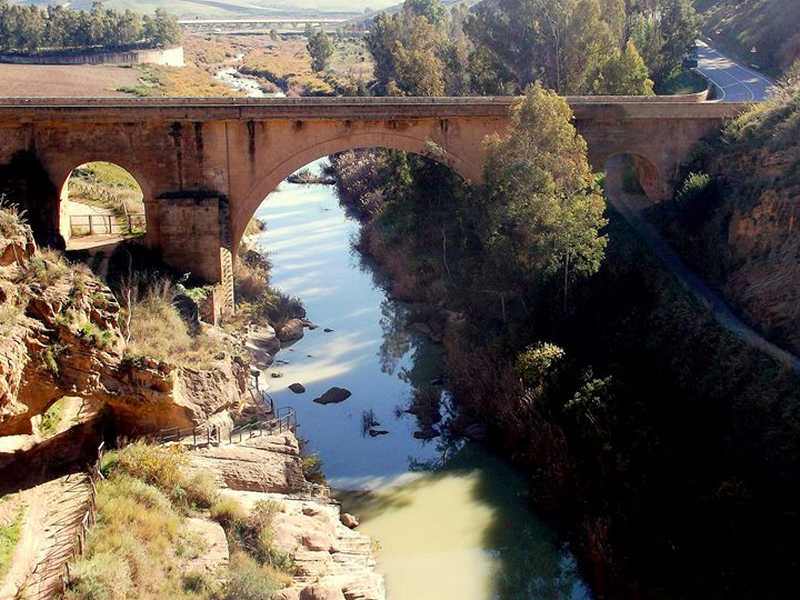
(320, 48)
(27, 28)
(544, 207)
(572, 46)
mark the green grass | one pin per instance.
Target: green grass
(140, 546)
(51, 418)
(10, 531)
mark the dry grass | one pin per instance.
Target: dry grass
(136, 548)
(164, 468)
(287, 64)
(158, 331)
(188, 81)
(11, 220)
(251, 533)
(139, 547)
(86, 81)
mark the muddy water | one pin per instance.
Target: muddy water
(450, 520)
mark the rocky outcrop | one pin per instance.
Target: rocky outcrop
(331, 559)
(61, 337)
(262, 344)
(291, 331)
(757, 264)
(16, 245)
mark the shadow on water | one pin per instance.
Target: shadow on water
(530, 562)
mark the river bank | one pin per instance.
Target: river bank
(638, 446)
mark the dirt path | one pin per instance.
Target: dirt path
(630, 207)
(49, 532)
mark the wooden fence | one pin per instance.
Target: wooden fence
(106, 224)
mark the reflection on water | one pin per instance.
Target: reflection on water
(451, 521)
(465, 531)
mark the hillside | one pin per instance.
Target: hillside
(770, 27)
(736, 217)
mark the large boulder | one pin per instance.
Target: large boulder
(291, 331)
(333, 396)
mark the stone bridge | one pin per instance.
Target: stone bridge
(205, 165)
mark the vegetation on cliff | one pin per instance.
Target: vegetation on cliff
(763, 32)
(734, 216)
(140, 546)
(640, 421)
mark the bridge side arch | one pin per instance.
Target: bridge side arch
(282, 168)
(126, 191)
(649, 176)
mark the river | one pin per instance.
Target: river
(449, 519)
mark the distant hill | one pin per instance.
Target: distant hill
(764, 32)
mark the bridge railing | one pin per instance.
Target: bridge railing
(106, 224)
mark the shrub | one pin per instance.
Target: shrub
(693, 187)
(163, 467)
(104, 576)
(251, 533)
(538, 362)
(250, 581)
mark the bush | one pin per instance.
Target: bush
(694, 186)
(251, 533)
(249, 581)
(163, 467)
(104, 576)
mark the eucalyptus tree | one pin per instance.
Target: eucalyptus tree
(544, 208)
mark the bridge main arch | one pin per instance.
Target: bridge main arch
(280, 169)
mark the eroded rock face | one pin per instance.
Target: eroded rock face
(17, 247)
(61, 336)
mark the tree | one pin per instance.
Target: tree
(624, 73)
(406, 48)
(558, 42)
(161, 29)
(320, 48)
(663, 30)
(545, 210)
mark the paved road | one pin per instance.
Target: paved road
(630, 208)
(735, 82)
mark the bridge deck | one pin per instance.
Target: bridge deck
(353, 108)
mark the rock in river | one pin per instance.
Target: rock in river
(333, 395)
(291, 331)
(297, 388)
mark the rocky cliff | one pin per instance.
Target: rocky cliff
(742, 230)
(59, 335)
